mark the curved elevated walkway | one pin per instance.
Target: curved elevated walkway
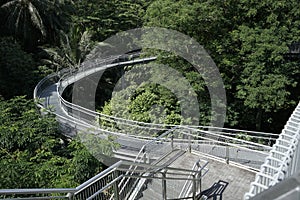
(227, 156)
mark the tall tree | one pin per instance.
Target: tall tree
(106, 18)
(18, 71)
(34, 21)
(247, 40)
(72, 50)
(34, 154)
(260, 44)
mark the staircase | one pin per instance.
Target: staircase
(153, 187)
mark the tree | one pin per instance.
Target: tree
(150, 95)
(34, 22)
(247, 40)
(261, 42)
(105, 18)
(34, 154)
(73, 49)
(18, 72)
(24, 21)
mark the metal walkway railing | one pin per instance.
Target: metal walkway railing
(283, 160)
(228, 144)
(108, 184)
(220, 142)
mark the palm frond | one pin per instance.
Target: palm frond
(10, 4)
(36, 19)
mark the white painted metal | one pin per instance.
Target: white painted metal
(283, 160)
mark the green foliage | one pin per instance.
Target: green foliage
(73, 49)
(246, 38)
(33, 152)
(105, 18)
(35, 22)
(18, 72)
(248, 41)
(101, 147)
(196, 82)
(261, 41)
(84, 166)
(21, 126)
(150, 103)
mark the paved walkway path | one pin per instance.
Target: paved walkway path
(238, 179)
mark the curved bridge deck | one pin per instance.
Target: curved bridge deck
(230, 159)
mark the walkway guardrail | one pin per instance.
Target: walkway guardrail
(283, 160)
(106, 184)
(42, 85)
(187, 187)
(110, 123)
(228, 144)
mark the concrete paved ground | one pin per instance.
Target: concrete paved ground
(239, 179)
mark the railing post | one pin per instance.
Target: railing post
(70, 196)
(115, 186)
(172, 142)
(227, 154)
(144, 155)
(200, 181)
(194, 187)
(164, 186)
(190, 145)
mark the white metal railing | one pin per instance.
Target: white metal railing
(187, 187)
(221, 138)
(283, 160)
(221, 142)
(127, 182)
(128, 126)
(106, 184)
(131, 125)
(152, 128)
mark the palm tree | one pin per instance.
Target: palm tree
(72, 50)
(33, 21)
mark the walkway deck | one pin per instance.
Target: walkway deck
(238, 179)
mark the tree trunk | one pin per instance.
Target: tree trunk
(258, 119)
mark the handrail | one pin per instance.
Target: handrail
(196, 134)
(80, 190)
(98, 176)
(162, 126)
(140, 158)
(283, 159)
(187, 185)
(196, 131)
(200, 135)
(94, 114)
(37, 191)
(128, 122)
(105, 61)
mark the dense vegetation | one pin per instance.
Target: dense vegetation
(35, 154)
(248, 40)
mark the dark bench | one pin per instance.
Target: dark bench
(216, 190)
